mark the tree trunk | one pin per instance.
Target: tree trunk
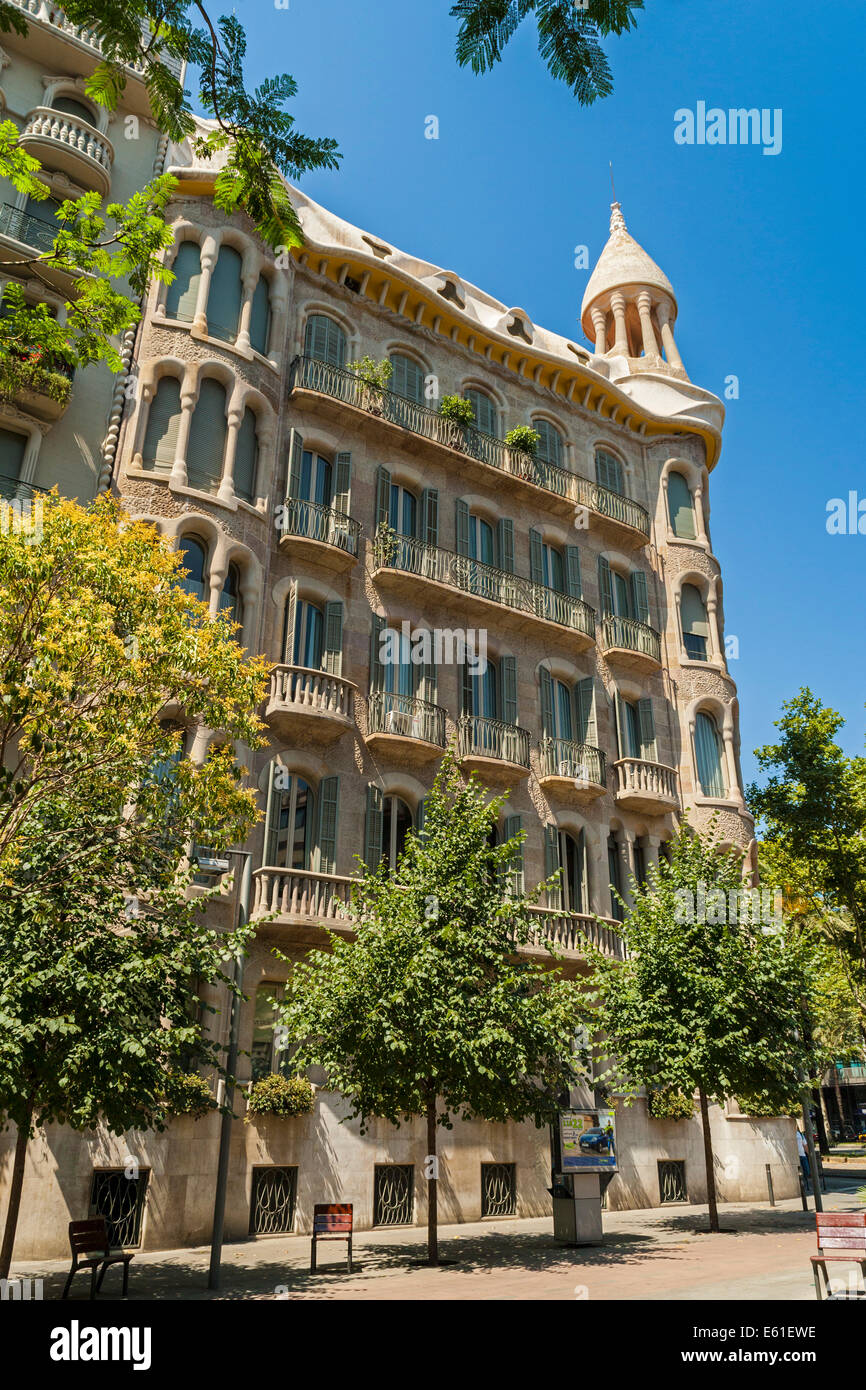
(821, 1120)
(15, 1194)
(432, 1186)
(708, 1159)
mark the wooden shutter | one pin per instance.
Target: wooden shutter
(508, 680)
(505, 544)
(325, 340)
(260, 316)
(604, 586)
(296, 462)
(373, 829)
(430, 516)
(680, 507)
(182, 295)
(552, 864)
(462, 524)
(421, 816)
(271, 819)
(466, 690)
(572, 571)
(428, 680)
(207, 437)
(484, 411)
(289, 624)
(383, 496)
(536, 556)
(622, 739)
(377, 670)
(646, 725)
(608, 471)
(343, 483)
(513, 826)
(332, 651)
(224, 296)
(639, 596)
(548, 723)
(163, 423)
(246, 457)
(584, 703)
(329, 798)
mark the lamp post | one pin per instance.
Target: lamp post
(219, 1206)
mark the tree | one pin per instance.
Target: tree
(431, 1012)
(708, 999)
(569, 37)
(101, 946)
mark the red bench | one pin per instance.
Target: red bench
(331, 1221)
(841, 1238)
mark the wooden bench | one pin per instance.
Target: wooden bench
(90, 1250)
(841, 1238)
(331, 1221)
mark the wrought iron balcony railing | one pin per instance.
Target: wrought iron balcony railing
(316, 523)
(582, 762)
(22, 226)
(12, 490)
(626, 634)
(404, 715)
(478, 737)
(343, 385)
(391, 551)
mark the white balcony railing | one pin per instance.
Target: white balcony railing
(650, 781)
(302, 689)
(52, 15)
(76, 138)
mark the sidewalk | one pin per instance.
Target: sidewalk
(655, 1254)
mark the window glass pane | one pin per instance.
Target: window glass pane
(309, 632)
(291, 817)
(554, 569)
(563, 710)
(70, 107)
(396, 823)
(709, 756)
(680, 507)
(632, 731)
(230, 598)
(12, 447)
(195, 561)
(263, 1053)
(621, 595)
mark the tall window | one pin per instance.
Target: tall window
(613, 868)
(325, 341)
(635, 728)
(483, 410)
(482, 540)
(194, 554)
(481, 694)
(565, 854)
(399, 676)
(309, 637)
(403, 511)
(231, 599)
(550, 444)
(224, 296)
(608, 471)
(70, 107)
(260, 316)
(290, 822)
(696, 627)
(207, 437)
(163, 423)
(407, 378)
(247, 456)
(316, 479)
(265, 1057)
(182, 294)
(680, 507)
(12, 450)
(396, 823)
(708, 755)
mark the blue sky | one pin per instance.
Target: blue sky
(764, 252)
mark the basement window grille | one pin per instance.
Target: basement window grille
(272, 1207)
(393, 1194)
(498, 1189)
(120, 1199)
(672, 1181)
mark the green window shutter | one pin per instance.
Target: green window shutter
(536, 557)
(407, 378)
(163, 423)
(296, 459)
(329, 800)
(383, 496)
(680, 507)
(421, 816)
(608, 471)
(271, 817)
(584, 701)
(207, 437)
(646, 724)
(572, 571)
(325, 340)
(693, 612)
(377, 670)
(289, 623)
(466, 694)
(513, 826)
(332, 652)
(604, 586)
(247, 457)
(428, 681)
(430, 516)
(343, 483)
(505, 534)
(483, 410)
(552, 864)
(547, 720)
(639, 595)
(508, 679)
(182, 294)
(224, 296)
(373, 830)
(622, 738)
(260, 317)
(549, 444)
(462, 523)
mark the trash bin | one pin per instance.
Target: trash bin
(577, 1209)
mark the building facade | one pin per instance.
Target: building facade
(340, 518)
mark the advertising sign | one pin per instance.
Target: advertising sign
(587, 1141)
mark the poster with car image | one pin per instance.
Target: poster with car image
(587, 1141)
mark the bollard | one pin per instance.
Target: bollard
(770, 1186)
(803, 1193)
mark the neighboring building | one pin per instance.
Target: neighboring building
(843, 1091)
(324, 512)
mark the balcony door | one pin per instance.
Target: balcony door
(290, 823)
(565, 853)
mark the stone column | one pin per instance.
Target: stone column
(279, 297)
(714, 641)
(671, 352)
(648, 333)
(177, 476)
(599, 323)
(226, 492)
(209, 253)
(733, 787)
(698, 504)
(620, 342)
(625, 849)
(249, 281)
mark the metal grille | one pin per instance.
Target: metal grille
(393, 1193)
(672, 1180)
(120, 1199)
(498, 1189)
(272, 1209)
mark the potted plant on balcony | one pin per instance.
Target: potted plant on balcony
(31, 380)
(373, 378)
(280, 1095)
(461, 417)
(385, 545)
(523, 442)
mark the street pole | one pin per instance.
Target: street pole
(809, 1132)
(219, 1206)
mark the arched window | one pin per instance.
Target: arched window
(325, 341)
(635, 729)
(231, 598)
(565, 854)
(70, 107)
(182, 294)
(260, 316)
(407, 379)
(550, 443)
(608, 471)
(207, 437)
(481, 694)
(615, 874)
(708, 756)
(247, 456)
(399, 675)
(265, 1057)
(403, 511)
(290, 822)
(696, 627)
(681, 507)
(396, 824)
(309, 636)
(316, 481)
(483, 410)
(623, 595)
(163, 423)
(12, 449)
(224, 296)
(194, 552)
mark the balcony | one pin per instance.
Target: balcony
(411, 566)
(22, 227)
(500, 752)
(414, 730)
(643, 786)
(630, 644)
(311, 902)
(309, 706)
(318, 533)
(40, 386)
(12, 490)
(60, 141)
(55, 20)
(572, 771)
(333, 389)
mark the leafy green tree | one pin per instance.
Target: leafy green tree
(431, 1012)
(101, 945)
(570, 37)
(714, 1005)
